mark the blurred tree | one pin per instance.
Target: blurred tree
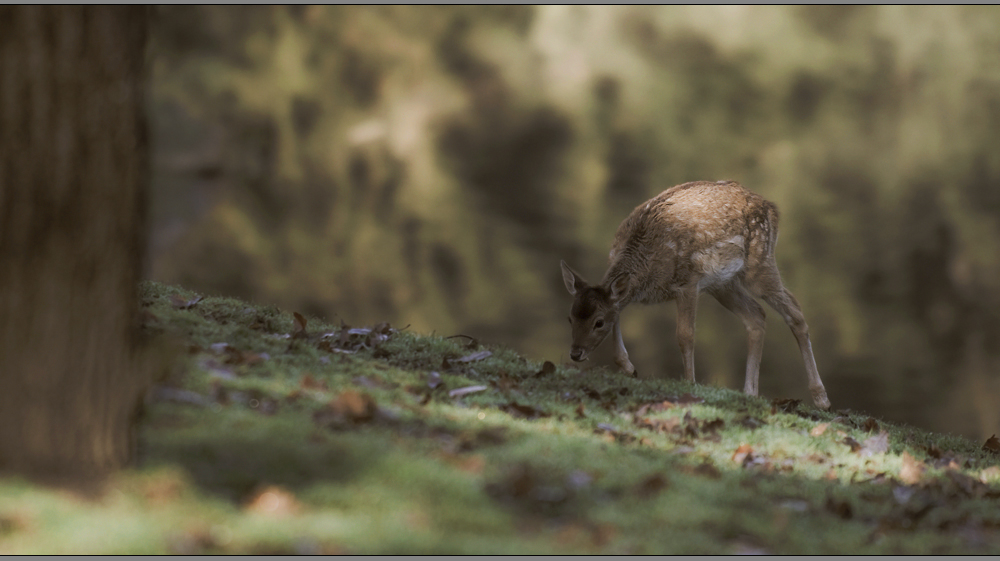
(73, 175)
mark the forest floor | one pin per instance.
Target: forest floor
(281, 434)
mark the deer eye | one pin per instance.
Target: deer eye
(599, 324)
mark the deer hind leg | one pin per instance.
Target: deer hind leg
(785, 304)
(621, 355)
(738, 300)
(687, 309)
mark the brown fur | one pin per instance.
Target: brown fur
(695, 237)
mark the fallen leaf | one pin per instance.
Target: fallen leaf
(751, 422)
(275, 502)
(878, 444)
(433, 379)
(669, 425)
(706, 469)
(183, 303)
(651, 485)
(934, 452)
(353, 406)
(854, 444)
(547, 368)
(840, 507)
(992, 445)
(459, 392)
(473, 464)
(743, 454)
(971, 486)
(819, 429)
(816, 458)
(506, 383)
(784, 405)
(655, 407)
(870, 425)
(713, 426)
(526, 411)
(912, 471)
(474, 357)
(688, 399)
(310, 383)
(990, 474)
(299, 329)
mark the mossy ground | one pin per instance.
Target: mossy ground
(280, 442)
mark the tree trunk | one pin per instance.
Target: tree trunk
(73, 177)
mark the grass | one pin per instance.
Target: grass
(285, 441)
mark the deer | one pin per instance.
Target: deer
(701, 236)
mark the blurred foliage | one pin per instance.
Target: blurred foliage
(431, 165)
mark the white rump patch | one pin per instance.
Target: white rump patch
(720, 263)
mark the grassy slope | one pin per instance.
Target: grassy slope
(312, 451)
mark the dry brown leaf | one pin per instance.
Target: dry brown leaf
(547, 368)
(354, 406)
(299, 328)
(651, 485)
(784, 405)
(854, 444)
(934, 452)
(274, 501)
(839, 507)
(912, 471)
(819, 429)
(525, 411)
(310, 383)
(743, 454)
(992, 445)
(706, 469)
(473, 463)
(870, 425)
(655, 407)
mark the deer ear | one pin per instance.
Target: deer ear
(573, 281)
(618, 288)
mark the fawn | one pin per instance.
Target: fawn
(698, 236)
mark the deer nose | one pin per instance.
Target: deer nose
(576, 354)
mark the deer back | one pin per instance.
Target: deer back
(699, 232)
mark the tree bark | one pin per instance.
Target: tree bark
(73, 179)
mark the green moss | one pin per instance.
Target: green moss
(427, 473)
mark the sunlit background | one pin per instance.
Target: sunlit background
(429, 166)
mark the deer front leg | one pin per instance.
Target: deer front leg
(687, 308)
(621, 355)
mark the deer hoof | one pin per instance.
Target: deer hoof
(820, 398)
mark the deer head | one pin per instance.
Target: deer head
(594, 313)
